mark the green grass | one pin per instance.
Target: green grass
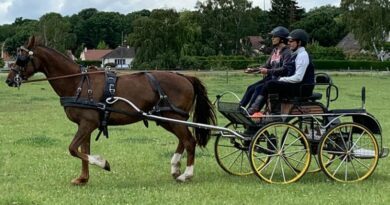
(36, 167)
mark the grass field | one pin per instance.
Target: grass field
(36, 168)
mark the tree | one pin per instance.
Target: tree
(368, 20)
(156, 39)
(22, 29)
(55, 31)
(285, 12)
(323, 25)
(102, 45)
(224, 23)
(190, 34)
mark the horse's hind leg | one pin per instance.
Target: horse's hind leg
(175, 161)
(189, 144)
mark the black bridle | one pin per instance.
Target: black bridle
(21, 63)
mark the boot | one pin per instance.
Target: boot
(257, 105)
(275, 103)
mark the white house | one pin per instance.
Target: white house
(121, 57)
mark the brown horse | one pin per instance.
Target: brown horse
(184, 92)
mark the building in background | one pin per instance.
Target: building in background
(120, 58)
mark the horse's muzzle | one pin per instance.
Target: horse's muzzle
(11, 83)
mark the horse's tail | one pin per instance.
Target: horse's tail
(203, 113)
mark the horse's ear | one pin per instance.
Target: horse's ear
(31, 42)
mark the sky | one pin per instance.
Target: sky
(33, 9)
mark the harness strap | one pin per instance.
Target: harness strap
(109, 92)
(163, 104)
(84, 78)
(87, 104)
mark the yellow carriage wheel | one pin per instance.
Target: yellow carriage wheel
(355, 151)
(279, 153)
(231, 153)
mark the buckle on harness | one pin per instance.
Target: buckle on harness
(111, 89)
(101, 106)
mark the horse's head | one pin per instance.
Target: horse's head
(25, 66)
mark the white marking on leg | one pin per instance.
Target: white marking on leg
(175, 164)
(96, 160)
(187, 174)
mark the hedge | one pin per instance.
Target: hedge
(236, 63)
(351, 65)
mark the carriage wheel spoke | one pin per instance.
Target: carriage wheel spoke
(234, 152)
(341, 163)
(281, 167)
(284, 137)
(334, 143)
(235, 160)
(361, 163)
(346, 172)
(266, 165)
(293, 159)
(276, 164)
(342, 138)
(230, 146)
(354, 144)
(296, 139)
(274, 146)
(289, 165)
(354, 169)
(266, 149)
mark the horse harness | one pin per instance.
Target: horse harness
(163, 104)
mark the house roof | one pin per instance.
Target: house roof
(256, 41)
(96, 54)
(349, 43)
(121, 52)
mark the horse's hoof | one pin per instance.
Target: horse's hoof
(183, 178)
(176, 175)
(79, 181)
(107, 166)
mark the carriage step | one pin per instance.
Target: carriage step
(366, 153)
(363, 153)
(384, 153)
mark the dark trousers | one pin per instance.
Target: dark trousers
(252, 92)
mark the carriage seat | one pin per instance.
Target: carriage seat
(320, 79)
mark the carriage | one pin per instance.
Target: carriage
(306, 136)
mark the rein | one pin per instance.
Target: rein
(63, 76)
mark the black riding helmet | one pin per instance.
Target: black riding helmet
(280, 32)
(299, 34)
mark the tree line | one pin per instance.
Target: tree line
(162, 37)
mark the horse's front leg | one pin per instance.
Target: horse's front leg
(82, 138)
